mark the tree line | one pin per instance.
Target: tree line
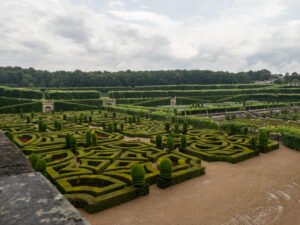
(20, 77)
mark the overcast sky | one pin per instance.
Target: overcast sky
(232, 35)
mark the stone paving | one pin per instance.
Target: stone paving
(27, 197)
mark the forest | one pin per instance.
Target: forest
(21, 77)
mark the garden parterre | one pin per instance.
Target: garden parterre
(96, 176)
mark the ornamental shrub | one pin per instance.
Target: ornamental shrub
(158, 141)
(262, 140)
(170, 143)
(185, 127)
(73, 144)
(167, 126)
(94, 139)
(183, 142)
(9, 135)
(253, 143)
(138, 175)
(88, 137)
(33, 158)
(165, 168)
(68, 140)
(176, 127)
(40, 166)
(115, 125)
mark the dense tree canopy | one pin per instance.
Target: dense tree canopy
(16, 76)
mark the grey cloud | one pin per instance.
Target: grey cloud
(72, 28)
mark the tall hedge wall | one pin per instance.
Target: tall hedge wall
(20, 93)
(69, 106)
(191, 93)
(12, 101)
(26, 107)
(72, 94)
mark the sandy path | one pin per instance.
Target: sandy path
(260, 191)
(127, 138)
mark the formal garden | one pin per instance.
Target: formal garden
(101, 155)
(102, 158)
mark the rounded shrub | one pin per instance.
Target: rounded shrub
(40, 166)
(138, 175)
(165, 167)
(33, 158)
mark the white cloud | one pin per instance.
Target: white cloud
(131, 34)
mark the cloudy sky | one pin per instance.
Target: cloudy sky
(233, 35)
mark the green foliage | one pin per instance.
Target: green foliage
(185, 127)
(138, 175)
(69, 106)
(158, 141)
(94, 139)
(170, 143)
(113, 80)
(263, 139)
(33, 158)
(165, 168)
(10, 135)
(73, 144)
(176, 128)
(57, 125)
(183, 142)
(68, 140)
(42, 126)
(88, 138)
(253, 143)
(167, 126)
(40, 166)
(59, 94)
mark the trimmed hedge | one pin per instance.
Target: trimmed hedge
(58, 94)
(25, 108)
(4, 101)
(20, 93)
(291, 140)
(69, 106)
(193, 93)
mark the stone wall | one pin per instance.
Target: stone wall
(27, 197)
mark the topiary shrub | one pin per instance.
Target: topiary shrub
(170, 143)
(33, 158)
(158, 141)
(263, 140)
(138, 175)
(94, 139)
(165, 175)
(253, 143)
(167, 126)
(73, 144)
(40, 166)
(88, 137)
(183, 142)
(9, 135)
(67, 140)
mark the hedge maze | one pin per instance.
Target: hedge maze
(91, 162)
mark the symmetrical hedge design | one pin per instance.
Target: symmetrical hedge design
(98, 176)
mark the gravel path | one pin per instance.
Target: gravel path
(264, 190)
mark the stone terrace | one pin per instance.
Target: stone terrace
(27, 197)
